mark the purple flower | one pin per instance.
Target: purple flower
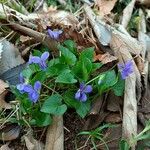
(83, 90)
(33, 92)
(54, 34)
(21, 86)
(40, 60)
(126, 69)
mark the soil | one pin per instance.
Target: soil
(72, 126)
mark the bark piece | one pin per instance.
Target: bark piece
(55, 135)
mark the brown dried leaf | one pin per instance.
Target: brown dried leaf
(3, 103)
(127, 13)
(60, 18)
(139, 63)
(94, 120)
(114, 135)
(10, 57)
(3, 92)
(52, 8)
(24, 38)
(10, 132)
(114, 102)
(96, 115)
(31, 143)
(105, 6)
(3, 86)
(144, 2)
(5, 147)
(104, 58)
(113, 118)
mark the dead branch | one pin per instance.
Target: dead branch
(39, 37)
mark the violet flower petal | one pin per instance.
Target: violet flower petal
(124, 75)
(43, 65)
(127, 69)
(20, 87)
(82, 85)
(83, 97)
(37, 85)
(44, 56)
(129, 64)
(54, 34)
(87, 89)
(77, 95)
(34, 59)
(28, 88)
(33, 96)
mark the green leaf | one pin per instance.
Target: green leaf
(66, 77)
(40, 76)
(53, 62)
(108, 80)
(123, 145)
(84, 133)
(53, 105)
(96, 66)
(71, 45)
(67, 56)
(82, 69)
(37, 53)
(69, 99)
(41, 119)
(88, 53)
(83, 108)
(56, 69)
(87, 64)
(27, 72)
(30, 70)
(118, 88)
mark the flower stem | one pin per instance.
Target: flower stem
(100, 75)
(50, 88)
